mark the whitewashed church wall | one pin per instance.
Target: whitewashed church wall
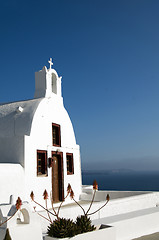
(12, 150)
(47, 113)
(29, 128)
(51, 110)
(34, 183)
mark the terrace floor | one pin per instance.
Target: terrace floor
(154, 236)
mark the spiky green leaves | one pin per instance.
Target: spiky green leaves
(62, 228)
(83, 224)
(7, 236)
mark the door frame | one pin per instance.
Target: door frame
(61, 174)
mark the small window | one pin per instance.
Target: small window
(41, 162)
(56, 135)
(70, 166)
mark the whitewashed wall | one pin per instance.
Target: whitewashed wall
(11, 182)
(51, 111)
(12, 150)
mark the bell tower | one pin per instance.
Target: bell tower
(47, 82)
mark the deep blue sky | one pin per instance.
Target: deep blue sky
(108, 55)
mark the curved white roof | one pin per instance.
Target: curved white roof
(16, 118)
(25, 117)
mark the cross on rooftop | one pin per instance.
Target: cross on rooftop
(50, 62)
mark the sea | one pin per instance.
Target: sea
(122, 180)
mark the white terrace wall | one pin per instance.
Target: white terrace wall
(127, 202)
(113, 208)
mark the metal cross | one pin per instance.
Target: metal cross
(50, 62)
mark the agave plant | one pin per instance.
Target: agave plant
(84, 224)
(62, 228)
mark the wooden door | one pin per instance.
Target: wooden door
(55, 178)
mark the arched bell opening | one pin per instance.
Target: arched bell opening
(54, 83)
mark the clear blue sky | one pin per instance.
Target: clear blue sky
(108, 55)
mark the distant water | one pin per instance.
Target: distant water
(126, 181)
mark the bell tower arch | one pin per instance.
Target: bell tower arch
(47, 82)
(54, 83)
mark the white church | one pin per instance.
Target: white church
(38, 148)
(38, 151)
